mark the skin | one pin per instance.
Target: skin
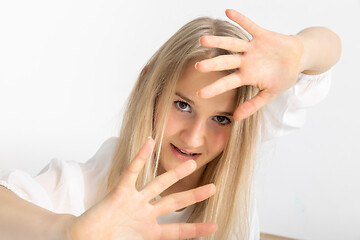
(196, 125)
(127, 213)
(270, 61)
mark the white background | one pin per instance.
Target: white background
(67, 67)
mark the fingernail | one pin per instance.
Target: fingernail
(200, 39)
(196, 65)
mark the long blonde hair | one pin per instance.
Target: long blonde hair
(232, 171)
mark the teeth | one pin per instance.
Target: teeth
(188, 154)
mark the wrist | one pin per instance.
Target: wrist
(304, 59)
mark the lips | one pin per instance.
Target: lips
(182, 154)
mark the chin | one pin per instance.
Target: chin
(169, 164)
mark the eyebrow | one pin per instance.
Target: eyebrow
(192, 102)
(185, 98)
(226, 114)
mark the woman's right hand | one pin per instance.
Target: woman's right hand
(126, 213)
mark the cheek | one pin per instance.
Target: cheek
(218, 140)
(172, 125)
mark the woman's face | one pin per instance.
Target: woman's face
(197, 128)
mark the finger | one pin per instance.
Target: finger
(219, 63)
(244, 22)
(231, 81)
(181, 200)
(248, 108)
(228, 43)
(186, 230)
(162, 182)
(132, 171)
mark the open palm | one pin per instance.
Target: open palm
(126, 213)
(270, 61)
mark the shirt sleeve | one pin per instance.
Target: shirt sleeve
(288, 111)
(62, 186)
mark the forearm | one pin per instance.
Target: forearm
(322, 49)
(20, 219)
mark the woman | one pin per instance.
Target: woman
(209, 114)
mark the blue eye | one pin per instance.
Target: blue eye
(182, 106)
(222, 120)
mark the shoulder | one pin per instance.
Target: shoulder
(105, 152)
(98, 166)
(63, 186)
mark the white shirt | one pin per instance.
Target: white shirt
(71, 187)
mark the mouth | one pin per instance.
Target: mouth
(183, 155)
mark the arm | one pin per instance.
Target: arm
(270, 61)
(20, 219)
(322, 49)
(125, 213)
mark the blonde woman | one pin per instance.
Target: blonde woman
(198, 99)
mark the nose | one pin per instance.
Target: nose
(194, 133)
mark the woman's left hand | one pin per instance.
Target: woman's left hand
(270, 61)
